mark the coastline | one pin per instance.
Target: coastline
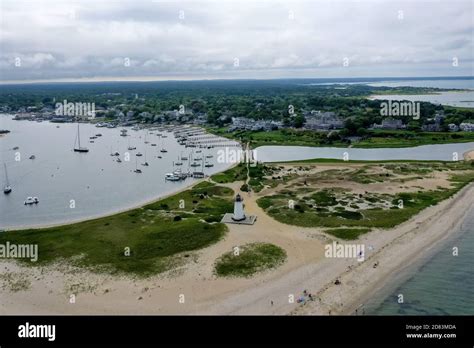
(412, 241)
(306, 268)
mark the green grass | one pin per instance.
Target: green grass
(374, 138)
(237, 173)
(156, 241)
(318, 215)
(404, 138)
(347, 233)
(251, 259)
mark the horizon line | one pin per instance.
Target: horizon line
(156, 79)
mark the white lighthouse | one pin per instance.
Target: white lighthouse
(239, 214)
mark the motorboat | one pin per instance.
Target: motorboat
(31, 200)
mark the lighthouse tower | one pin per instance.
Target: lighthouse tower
(239, 214)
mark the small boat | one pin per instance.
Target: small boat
(123, 132)
(57, 126)
(198, 151)
(16, 148)
(153, 144)
(163, 150)
(119, 160)
(145, 164)
(195, 164)
(98, 135)
(132, 148)
(136, 167)
(32, 157)
(78, 139)
(32, 200)
(139, 154)
(208, 165)
(7, 188)
(209, 156)
(92, 141)
(172, 177)
(160, 157)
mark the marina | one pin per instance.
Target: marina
(107, 178)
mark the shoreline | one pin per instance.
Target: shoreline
(416, 240)
(124, 210)
(306, 268)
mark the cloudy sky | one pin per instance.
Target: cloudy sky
(165, 39)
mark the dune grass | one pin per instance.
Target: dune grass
(251, 259)
(156, 238)
(349, 223)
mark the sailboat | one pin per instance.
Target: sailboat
(7, 188)
(145, 163)
(163, 148)
(179, 163)
(146, 141)
(78, 138)
(136, 169)
(130, 148)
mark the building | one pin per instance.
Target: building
(317, 120)
(453, 127)
(467, 127)
(390, 123)
(239, 214)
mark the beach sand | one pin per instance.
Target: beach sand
(48, 290)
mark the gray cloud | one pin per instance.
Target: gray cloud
(53, 39)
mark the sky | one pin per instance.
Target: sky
(59, 40)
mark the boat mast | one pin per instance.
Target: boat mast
(6, 175)
(78, 136)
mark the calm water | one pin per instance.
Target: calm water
(94, 180)
(443, 285)
(443, 152)
(458, 83)
(463, 99)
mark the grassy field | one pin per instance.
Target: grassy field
(251, 259)
(158, 235)
(237, 173)
(347, 233)
(403, 138)
(375, 138)
(352, 214)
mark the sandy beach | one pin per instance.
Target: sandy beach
(193, 288)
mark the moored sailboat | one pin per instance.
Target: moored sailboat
(78, 138)
(7, 188)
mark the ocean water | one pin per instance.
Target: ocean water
(439, 284)
(73, 186)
